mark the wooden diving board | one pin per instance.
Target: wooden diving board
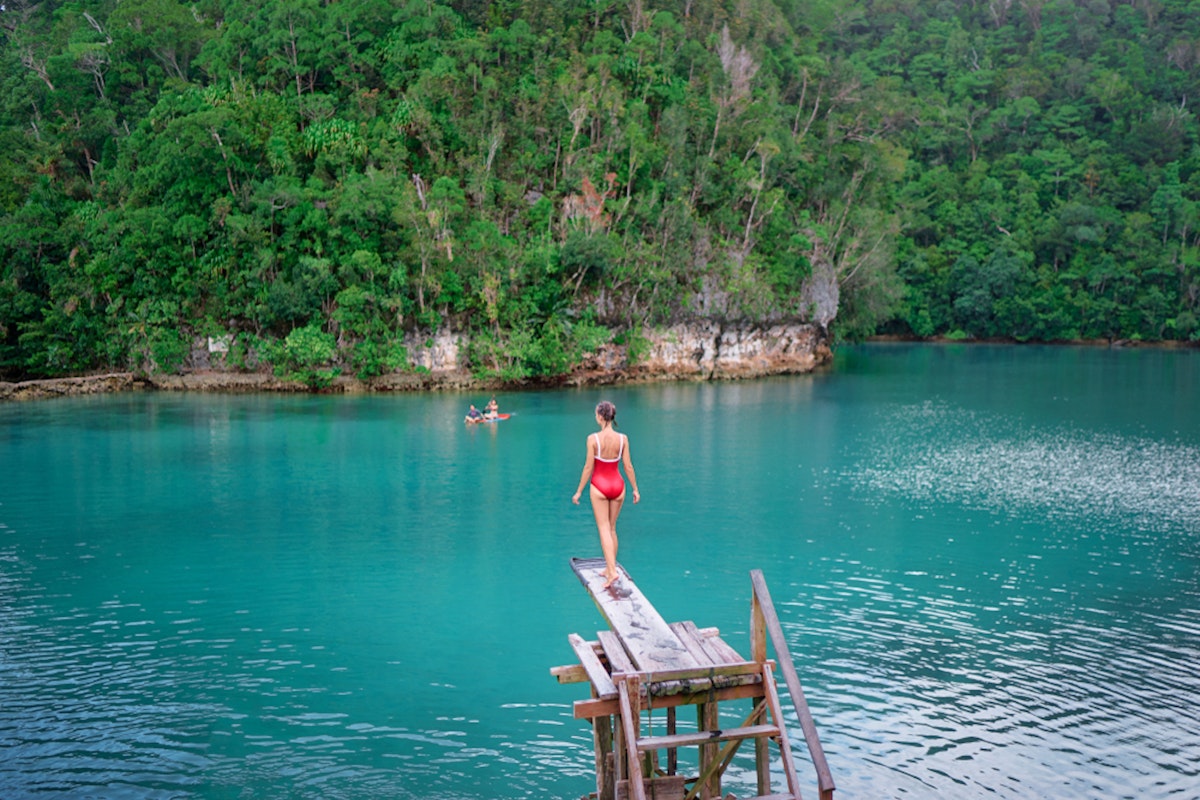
(642, 665)
(647, 638)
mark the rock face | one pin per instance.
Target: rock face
(699, 351)
(707, 350)
(436, 353)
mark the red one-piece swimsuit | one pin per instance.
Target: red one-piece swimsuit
(605, 473)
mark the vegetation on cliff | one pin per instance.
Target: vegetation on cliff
(311, 181)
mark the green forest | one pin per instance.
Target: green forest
(312, 181)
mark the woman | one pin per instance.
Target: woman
(605, 450)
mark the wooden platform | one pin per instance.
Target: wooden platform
(642, 663)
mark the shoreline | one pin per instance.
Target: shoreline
(593, 373)
(690, 351)
(217, 382)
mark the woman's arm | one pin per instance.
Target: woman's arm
(587, 469)
(629, 473)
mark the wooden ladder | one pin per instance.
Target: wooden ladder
(639, 781)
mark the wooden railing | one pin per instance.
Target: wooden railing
(763, 624)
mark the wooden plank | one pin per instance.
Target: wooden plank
(590, 709)
(614, 651)
(597, 674)
(569, 673)
(696, 644)
(718, 644)
(693, 644)
(651, 643)
(706, 737)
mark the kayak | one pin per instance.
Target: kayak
(496, 418)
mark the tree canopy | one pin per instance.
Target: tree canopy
(309, 177)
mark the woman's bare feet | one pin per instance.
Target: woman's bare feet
(610, 579)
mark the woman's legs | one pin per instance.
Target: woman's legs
(606, 512)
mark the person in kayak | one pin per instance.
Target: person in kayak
(605, 451)
(492, 409)
(473, 415)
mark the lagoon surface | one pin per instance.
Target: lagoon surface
(986, 560)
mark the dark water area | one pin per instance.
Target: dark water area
(985, 559)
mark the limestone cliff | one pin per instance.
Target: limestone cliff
(707, 350)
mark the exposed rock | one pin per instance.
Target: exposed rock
(707, 350)
(221, 381)
(436, 353)
(63, 387)
(701, 350)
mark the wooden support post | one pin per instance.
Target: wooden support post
(618, 751)
(628, 692)
(758, 630)
(672, 752)
(708, 720)
(602, 734)
(762, 755)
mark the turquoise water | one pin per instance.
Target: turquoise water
(985, 559)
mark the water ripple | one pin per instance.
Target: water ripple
(992, 463)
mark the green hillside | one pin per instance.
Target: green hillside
(313, 181)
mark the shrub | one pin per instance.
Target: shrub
(305, 356)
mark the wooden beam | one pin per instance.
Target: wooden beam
(713, 672)
(590, 709)
(570, 673)
(706, 737)
(596, 672)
